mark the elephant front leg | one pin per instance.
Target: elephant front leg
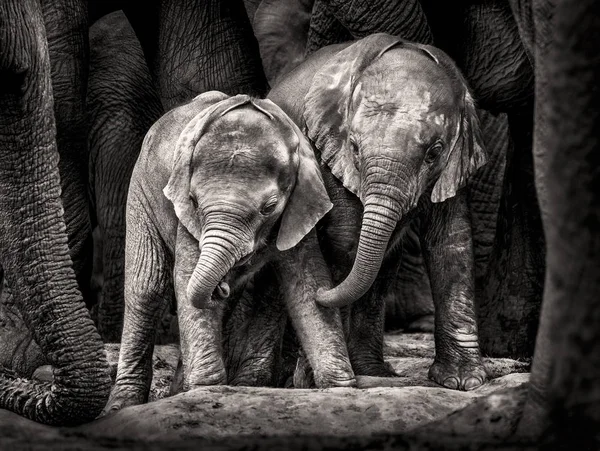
(148, 289)
(302, 271)
(200, 329)
(448, 252)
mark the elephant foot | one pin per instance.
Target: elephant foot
(201, 371)
(326, 377)
(203, 380)
(460, 374)
(196, 379)
(375, 369)
(422, 324)
(303, 374)
(123, 396)
(252, 377)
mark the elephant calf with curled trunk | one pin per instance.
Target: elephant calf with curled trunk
(223, 186)
(397, 134)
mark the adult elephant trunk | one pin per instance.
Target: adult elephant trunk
(33, 241)
(380, 217)
(217, 257)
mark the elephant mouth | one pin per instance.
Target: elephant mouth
(222, 291)
(244, 260)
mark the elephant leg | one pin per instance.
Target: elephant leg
(111, 305)
(324, 29)
(120, 91)
(302, 271)
(253, 333)
(448, 252)
(200, 329)
(33, 241)
(402, 18)
(148, 289)
(563, 405)
(213, 49)
(365, 323)
(67, 30)
(405, 286)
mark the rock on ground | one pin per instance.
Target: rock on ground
(225, 417)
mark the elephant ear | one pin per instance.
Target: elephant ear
(308, 201)
(209, 106)
(327, 104)
(466, 156)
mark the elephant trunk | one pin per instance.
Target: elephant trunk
(217, 257)
(379, 221)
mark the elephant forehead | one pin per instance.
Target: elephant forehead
(392, 122)
(241, 137)
(249, 124)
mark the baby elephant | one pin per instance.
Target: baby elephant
(223, 185)
(397, 134)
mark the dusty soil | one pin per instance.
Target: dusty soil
(255, 418)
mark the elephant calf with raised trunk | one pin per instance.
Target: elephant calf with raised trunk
(397, 134)
(223, 186)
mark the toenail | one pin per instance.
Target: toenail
(472, 383)
(451, 382)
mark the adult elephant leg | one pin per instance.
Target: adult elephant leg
(403, 18)
(253, 332)
(281, 28)
(405, 286)
(120, 92)
(485, 190)
(510, 298)
(193, 46)
(34, 249)
(67, 32)
(324, 28)
(564, 396)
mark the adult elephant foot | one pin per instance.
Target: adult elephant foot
(464, 373)
(424, 323)
(373, 368)
(366, 355)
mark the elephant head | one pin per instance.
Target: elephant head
(241, 168)
(392, 120)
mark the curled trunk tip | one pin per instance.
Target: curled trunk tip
(377, 227)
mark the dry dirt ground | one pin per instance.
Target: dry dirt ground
(259, 418)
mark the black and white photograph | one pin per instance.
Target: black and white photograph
(300, 225)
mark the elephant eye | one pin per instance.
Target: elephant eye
(434, 152)
(354, 148)
(269, 207)
(194, 200)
